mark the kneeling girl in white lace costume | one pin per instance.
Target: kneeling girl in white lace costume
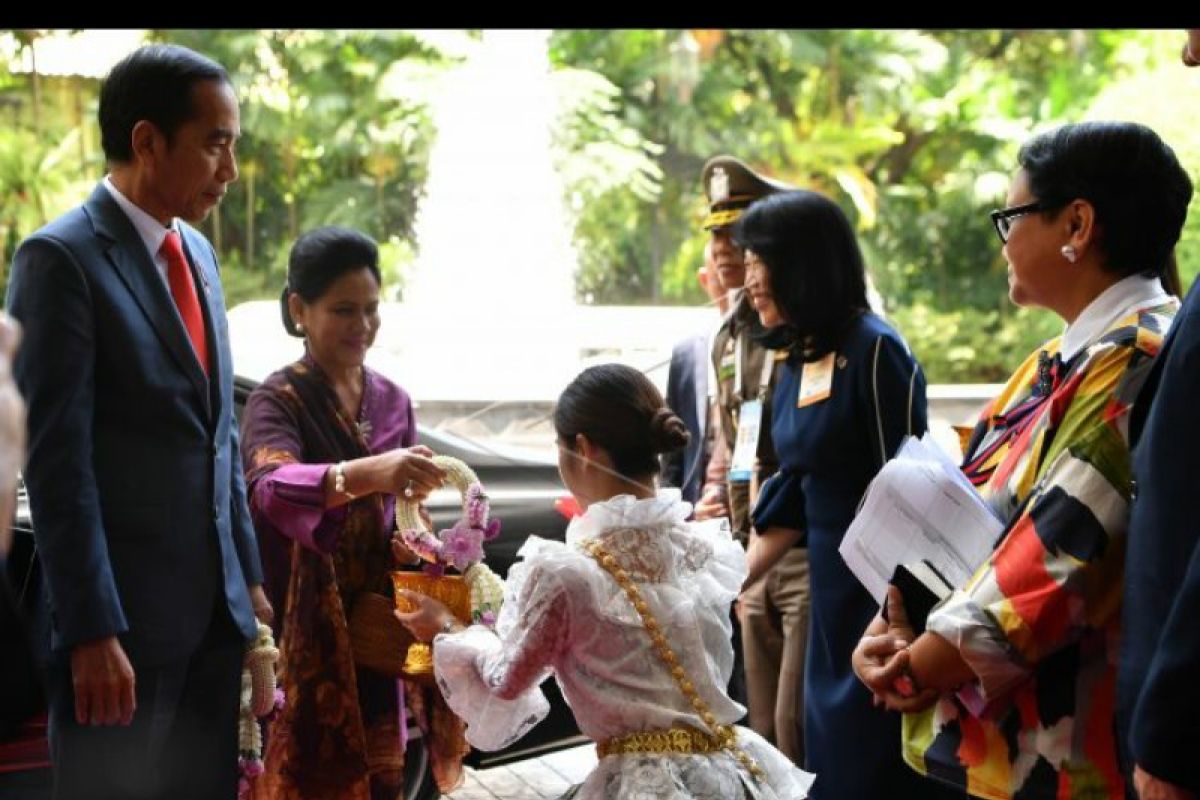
(631, 615)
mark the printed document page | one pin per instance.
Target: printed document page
(919, 506)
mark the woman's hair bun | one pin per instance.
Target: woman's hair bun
(667, 431)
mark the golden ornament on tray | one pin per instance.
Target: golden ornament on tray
(451, 590)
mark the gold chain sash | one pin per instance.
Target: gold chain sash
(680, 739)
(722, 737)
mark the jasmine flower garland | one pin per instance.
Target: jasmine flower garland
(260, 699)
(461, 545)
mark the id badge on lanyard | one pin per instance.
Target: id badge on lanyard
(749, 429)
(816, 381)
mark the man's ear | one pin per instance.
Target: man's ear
(144, 138)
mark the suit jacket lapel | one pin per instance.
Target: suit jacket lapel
(204, 272)
(699, 369)
(127, 253)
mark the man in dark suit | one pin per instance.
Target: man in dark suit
(134, 477)
(689, 393)
(1158, 716)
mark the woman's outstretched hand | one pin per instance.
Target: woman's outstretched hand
(411, 474)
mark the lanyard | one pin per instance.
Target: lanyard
(764, 379)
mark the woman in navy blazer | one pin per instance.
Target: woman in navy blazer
(848, 394)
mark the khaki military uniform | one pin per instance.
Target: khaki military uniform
(774, 623)
(731, 343)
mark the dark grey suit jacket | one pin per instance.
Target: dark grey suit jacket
(687, 396)
(134, 472)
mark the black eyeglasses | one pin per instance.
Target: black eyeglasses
(1003, 220)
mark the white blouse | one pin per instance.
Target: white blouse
(563, 613)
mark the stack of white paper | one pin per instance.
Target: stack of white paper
(920, 506)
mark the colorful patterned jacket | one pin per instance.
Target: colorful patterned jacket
(1039, 621)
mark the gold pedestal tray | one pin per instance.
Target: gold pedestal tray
(451, 590)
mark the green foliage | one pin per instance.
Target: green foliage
(610, 177)
(241, 284)
(329, 137)
(396, 258)
(969, 345)
(913, 132)
(1159, 99)
(336, 130)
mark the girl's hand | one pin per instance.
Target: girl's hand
(401, 555)
(429, 619)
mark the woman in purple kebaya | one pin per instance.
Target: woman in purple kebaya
(328, 444)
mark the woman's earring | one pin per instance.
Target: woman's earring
(300, 325)
(1069, 253)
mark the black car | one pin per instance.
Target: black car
(526, 495)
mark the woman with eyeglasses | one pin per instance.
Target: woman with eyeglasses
(1009, 693)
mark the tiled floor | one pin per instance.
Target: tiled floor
(545, 778)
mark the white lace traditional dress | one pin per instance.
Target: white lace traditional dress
(564, 614)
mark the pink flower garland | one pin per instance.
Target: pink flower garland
(461, 545)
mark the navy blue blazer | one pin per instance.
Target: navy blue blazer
(687, 396)
(1158, 707)
(134, 472)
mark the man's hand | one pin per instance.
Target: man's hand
(712, 504)
(261, 605)
(1151, 788)
(104, 683)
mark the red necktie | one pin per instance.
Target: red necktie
(183, 290)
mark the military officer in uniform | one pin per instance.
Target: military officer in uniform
(774, 610)
(738, 359)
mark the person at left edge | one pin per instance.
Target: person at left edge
(24, 753)
(134, 476)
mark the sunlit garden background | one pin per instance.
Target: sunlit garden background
(913, 132)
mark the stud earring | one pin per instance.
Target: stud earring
(300, 325)
(1069, 253)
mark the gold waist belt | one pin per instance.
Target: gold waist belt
(671, 740)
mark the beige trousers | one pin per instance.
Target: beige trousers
(774, 638)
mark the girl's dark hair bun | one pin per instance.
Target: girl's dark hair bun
(667, 431)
